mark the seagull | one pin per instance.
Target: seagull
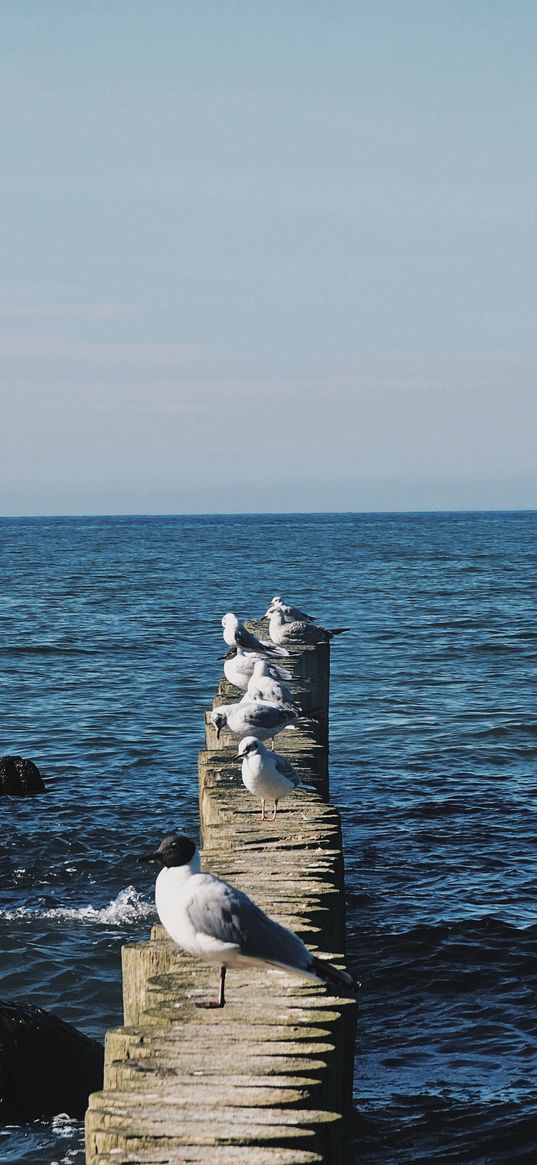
(291, 614)
(262, 686)
(253, 718)
(236, 635)
(266, 774)
(299, 631)
(239, 666)
(208, 917)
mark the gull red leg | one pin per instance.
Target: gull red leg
(220, 1001)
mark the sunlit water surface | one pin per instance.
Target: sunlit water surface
(109, 638)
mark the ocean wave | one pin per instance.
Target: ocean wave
(512, 727)
(488, 925)
(46, 649)
(434, 1126)
(129, 906)
(64, 1125)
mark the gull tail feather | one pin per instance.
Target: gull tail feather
(272, 649)
(300, 722)
(339, 630)
(333, 977)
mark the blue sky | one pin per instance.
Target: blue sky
(267, 256)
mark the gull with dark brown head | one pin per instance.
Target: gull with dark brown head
(214, 920)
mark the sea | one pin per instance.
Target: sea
(110, 645)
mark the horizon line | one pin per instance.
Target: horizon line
(267, 513)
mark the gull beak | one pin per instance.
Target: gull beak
(155, 857)
(238, 756)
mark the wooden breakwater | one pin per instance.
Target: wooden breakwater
(268, 1079)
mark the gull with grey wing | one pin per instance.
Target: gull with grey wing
(267, 775)
(214, 920)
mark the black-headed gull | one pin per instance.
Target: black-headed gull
(208, 917)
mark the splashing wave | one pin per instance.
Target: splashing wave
(129, 906)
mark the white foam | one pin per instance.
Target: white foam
(129, 906)
(63, 1125)
(67, 1128)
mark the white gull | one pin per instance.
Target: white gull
(267, 775)
(263, 687)
(299, 631)
(239, 667)
(212, 919)
(251, 717)
(291, 614)
(236, 635)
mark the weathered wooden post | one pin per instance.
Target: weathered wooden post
(267, 1080)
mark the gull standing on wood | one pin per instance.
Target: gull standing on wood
(290, 614)
(239, 667)
(236, 635)
(208, 917)
(299, 631)
(261, 686)
(267, 775)
(253, 718)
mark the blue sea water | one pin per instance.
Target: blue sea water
(109, 645)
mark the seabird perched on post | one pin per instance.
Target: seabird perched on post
(236, 635)
(300, 631)
(254, 718)
(239, 667)
(262, 686)
(291, 614)
(267, 775)
(212, 919)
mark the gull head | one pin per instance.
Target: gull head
(228, 618)
(219, 720)
(175, 850)
(248, 746)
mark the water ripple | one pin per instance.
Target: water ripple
(110, 638)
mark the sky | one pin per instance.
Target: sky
(267, 256)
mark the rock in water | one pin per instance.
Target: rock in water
(19, 777)
(46, 1066)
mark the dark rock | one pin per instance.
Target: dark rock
(19, 777)
(46, 1066)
